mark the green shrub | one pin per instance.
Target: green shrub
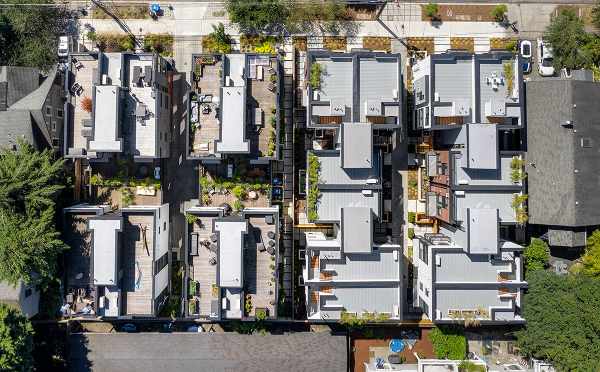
(91, 35)
(516, 170)
(266, 47)
(536, 255)
(261, 314)
(448, 343)
(190, 218)
(237, 205)
(511, 46)
(499, 12)
(431, 11)
(314, 169)
(468, 366)
(411, 233)
(412, 217)
(239, 192)
(316, 70)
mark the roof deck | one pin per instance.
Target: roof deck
(137, 264)
(200, 268)
(234, 105)
(84, 73)
(141, 107)
(363, 87)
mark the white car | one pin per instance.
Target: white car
(545, 59)
(63, 46)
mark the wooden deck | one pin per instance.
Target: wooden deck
(138, 243)
(200, 269)
(210, 83)
(83, 76)
(260, 282)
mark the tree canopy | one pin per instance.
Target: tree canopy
(569, 41)
(16, 341)
(29, 243)
(563, 320)
(591, 259)
(536, 255)
(258, 15)
(29, 34)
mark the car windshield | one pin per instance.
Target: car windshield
(526, 50)
(547, 62)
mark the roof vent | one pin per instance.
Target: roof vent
(567, 123)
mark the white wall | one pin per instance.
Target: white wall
(161, 281)
(424, 276)
(162, 237)
(30, 305)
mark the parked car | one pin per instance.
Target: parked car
(63, 46)
(525, 51)
(545, 58)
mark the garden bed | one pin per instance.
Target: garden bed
(131, 11)
(503, 43)
(421, 43)
(463, 43)
(413, 184)
(115, 42)
(159, 43)
(462, 13)
(209, 45)
(377, 43)
(258, 44)
(334, 43)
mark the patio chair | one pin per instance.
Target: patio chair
(271, 234)
(269, 219)
(260, 247)
(212, 261)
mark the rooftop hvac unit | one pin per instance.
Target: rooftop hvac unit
(373, 107)
(460, 108)
(495, 107)
(367, 192)
(337, 108)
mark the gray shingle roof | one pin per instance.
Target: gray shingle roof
(209, 352)
(563, 161)
(20, 81)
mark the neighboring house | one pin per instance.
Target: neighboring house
(472, 106)
(21, 296)
(31, 107)
(231, 263)
(118, 264)
(356, 269)
(130, 106)
(234, 107)
(563, 161)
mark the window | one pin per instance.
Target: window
(59, 113)
(421, 285)
(161, 263)
(423, 253)
(53, 126)
(28, 292)
(49, 110)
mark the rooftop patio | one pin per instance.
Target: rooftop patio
(202, 268)
(83, 72)
(207, 82)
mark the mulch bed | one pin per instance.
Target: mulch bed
(300, 43)
(463, 43)
(421, 43)
(377, 43)
(131, 11)
(502, 42)
(337, 43)
(462, 13)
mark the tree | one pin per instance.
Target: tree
(29, 180)
(431, 11)
(568, 39)
(596, 15)
(448, 343)
(536, 255)
(591, 258)
(23, 42)
(499, 12)
(563, 318)
(29, 247)
(87, 104)
(258, 15)
(16, 341)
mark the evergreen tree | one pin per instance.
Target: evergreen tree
(16, 341)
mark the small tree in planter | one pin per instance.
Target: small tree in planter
(86, 104)
(431, 11)
(499, 12)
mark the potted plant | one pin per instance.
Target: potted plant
(431, 11)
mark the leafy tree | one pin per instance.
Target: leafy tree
(568, 39)
(29, 179)
(536, 255)
(23, 42)
(591, 258)
(29, 247)
(257, 15)
(562, 314)
(16, 341)
(431, 11)
(499, 11)
(448, 343)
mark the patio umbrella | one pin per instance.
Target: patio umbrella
(396, 345)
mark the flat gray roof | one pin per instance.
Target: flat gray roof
(357, 230)
(482, 146)
(357, 145)
(106, 119)
(331, 203)
(482, 228)
(105, 249)
(231, 246)
(233, 120)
